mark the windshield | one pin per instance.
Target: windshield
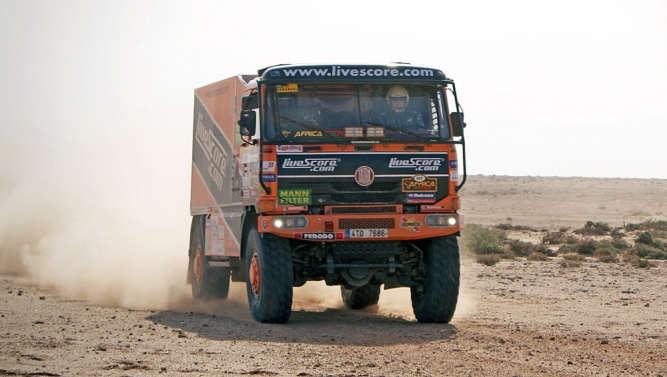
(345, 112)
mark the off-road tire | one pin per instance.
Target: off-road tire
(269, 277)
(435, 300)
(208, 283)
(361, 297)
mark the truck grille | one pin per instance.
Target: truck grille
(364, 198)
(366, 224)
(383, 209)
(375, 186)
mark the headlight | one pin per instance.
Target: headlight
(441, 221)
(290, 222)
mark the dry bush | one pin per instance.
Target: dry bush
(570, 263)
(587, 247)
(608, 258)
(564, 249)
(553, 238)
(642, 263)
(488, 259)
(480, 240)
(537, 256)
(574, 257)
(594, 229)
(521, 248)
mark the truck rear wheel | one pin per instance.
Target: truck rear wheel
(269, 277)
(361, 297)
(434, 301)
(208, 283)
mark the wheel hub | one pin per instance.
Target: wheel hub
(198, 267)
(254, 275)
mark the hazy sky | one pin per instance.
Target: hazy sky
(97, 98)
(564, 88)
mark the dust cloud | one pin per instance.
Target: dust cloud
(97, 217)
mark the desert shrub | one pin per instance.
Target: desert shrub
(587, 247)
(537, 256)
(570, 263)
(553, 238)
(649, 252)
(574, 257)
(619, 244)
(658, 233)
(608, 258)
(521, 248)
(628, 257)
(488, 259)
(480, 240)
(645, 238)
(594, 229)
(564, 249)
(507, 226)
(642, 263)
(659, 245)
(646, 225)
(556, 238)
(617, 232)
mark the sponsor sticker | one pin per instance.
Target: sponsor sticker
(289, 148)
(308, 134)
(295, 196)
(410, 224)
(268, 166)
(419, 164)
(287, 88)
(431, 208)
(455, 175)
(294, 208)
(265, 224)
(453, 164)
(318, 236)
(268, 177)
(313, 164)
(418, 197)
(420, 183)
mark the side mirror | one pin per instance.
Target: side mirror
(250, 102)
(248, 123)
(457, 124)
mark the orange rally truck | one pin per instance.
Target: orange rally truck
(343, 173)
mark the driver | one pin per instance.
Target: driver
(398, 114)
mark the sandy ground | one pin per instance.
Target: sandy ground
(516, 318)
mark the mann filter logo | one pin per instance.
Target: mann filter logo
(417, 163)
(294, 197)
(214, 152)
(312, 164)
(420, 183)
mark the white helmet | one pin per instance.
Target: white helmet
(398, 92)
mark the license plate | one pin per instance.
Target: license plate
(366, 233)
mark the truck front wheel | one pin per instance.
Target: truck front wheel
(434, 301)
(208, 283)
(269, 277)
(361, 297)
